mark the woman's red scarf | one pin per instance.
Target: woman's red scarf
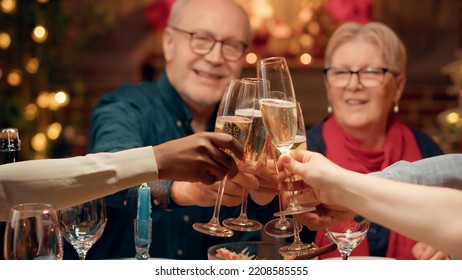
(342, 149)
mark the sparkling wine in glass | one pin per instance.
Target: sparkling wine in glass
(238, 97)
(299, 144)
(32, 233)
(279, 110)
(284, 227)
(253, 151)
(297, 247)
(82, 225)
(347, 235)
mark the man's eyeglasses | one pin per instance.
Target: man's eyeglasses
(202, 44)
(368, 76)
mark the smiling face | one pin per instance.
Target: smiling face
(200, 79)
(355, 106)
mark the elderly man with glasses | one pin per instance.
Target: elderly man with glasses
(203, 47)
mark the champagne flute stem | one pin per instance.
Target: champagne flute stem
(292, 199)
(282, 218)
(281, 206)
(82, 253)
(245, 196)
(216, 210)
(345, 256)
(297, 239)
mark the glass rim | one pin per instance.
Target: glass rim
(28, 206)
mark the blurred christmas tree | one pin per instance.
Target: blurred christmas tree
(40, 90)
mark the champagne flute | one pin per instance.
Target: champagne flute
(279, 114)
(32, 233)
(284, 227)
(347, 235)
(82, 225)
(252, 153)
(297, 247)
(299, 144)
(238, 97)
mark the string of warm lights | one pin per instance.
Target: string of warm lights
(47, 99)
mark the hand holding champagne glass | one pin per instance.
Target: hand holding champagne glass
(238, 97)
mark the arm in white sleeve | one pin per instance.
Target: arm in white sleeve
(71, 181)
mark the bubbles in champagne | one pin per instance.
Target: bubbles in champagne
(280, 120)
(236, 126)
(257, 138)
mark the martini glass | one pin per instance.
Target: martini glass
(347, 235)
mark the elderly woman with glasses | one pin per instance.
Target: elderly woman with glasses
(365, 77)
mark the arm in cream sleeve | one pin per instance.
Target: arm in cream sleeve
(71, 181)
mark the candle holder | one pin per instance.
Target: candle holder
(142, 241)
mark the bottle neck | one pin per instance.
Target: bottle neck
(9, 156)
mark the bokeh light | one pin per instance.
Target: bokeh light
(40, 34)
(14, 78)
(30, 112)
(52, 103)
(62, 98)
(305, 58)
(5, 40)
(42, 100)
(32, 65)
(8, 6)
(452, 118)
(251, 58)
(39, 142)
(54, 130)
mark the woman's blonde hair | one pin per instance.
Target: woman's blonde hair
(393, 50)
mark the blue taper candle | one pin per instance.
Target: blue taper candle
(144, 203)
(143, 222)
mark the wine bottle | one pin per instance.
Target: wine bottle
(10, 145)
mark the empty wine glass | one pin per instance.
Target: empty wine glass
(238, 97)
(82, 225)
(32, 233)
(252, 154)
(279, 113)
(347, 235)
